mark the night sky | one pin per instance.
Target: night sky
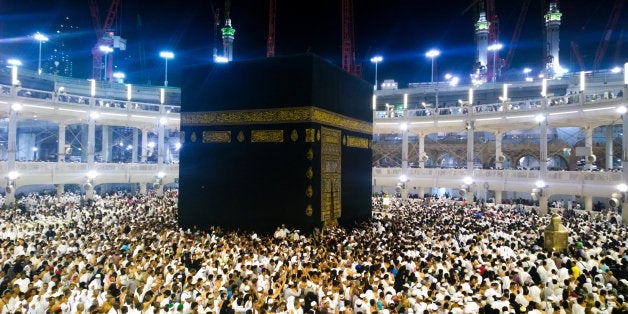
(401, 31)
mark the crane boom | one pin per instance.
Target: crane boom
(516, 33)
(608, 31)
(270, 44)
(493, 37)
(104, 36)
(348, 48)
(576, 53)
(95, 13)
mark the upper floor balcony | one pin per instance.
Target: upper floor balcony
(37, 173)
(584, 183)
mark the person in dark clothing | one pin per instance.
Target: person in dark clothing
(50, 233)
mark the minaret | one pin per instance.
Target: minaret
(228, 33)
(481, 39)
(552, 25)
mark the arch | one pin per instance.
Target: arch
(447, 160)
(506, 164)
(557, 163)
(528, 162)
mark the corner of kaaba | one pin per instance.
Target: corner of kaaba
(275, 141)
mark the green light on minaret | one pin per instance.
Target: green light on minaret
(481, 26)
(555, 16)
(228, 31)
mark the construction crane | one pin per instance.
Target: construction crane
(516, 33)
(217, 39)
(272, 14)
(348, 35)
(608, 31)
(105, 37)
(493, 37)
(576, 53)
(141, 49)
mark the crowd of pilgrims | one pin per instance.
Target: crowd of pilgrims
(124, 253)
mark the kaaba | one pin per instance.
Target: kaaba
(276, 141)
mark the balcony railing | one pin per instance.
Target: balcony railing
(557, 103)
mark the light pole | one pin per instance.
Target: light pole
(494, 48)
(433, 53)
(166, 55)
(41, 38)
(14, 63)
(527, 71)
(376, 60)
(106, 50)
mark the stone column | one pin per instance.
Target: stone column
(11, 153)
(142, 188)
(61, 143)
(498, 150)
(91, 141)
(609, 147)
(470, 142)
(106, 144)
(135, 145)
(161, 148)
(60, 189)
(421, 191)
(144, 145)
(12, 138)
(498, 197)
(588, 142)
(421, 150)
(543, 209)
(588, 202)
(404, 161)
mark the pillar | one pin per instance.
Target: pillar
(543, 149)
(11, 153)
(12, 138)
(61, 143)
(470, 141)
(609, 147)
(404, 160)
(144, 145)
(106, 144)
(421, 191)
(143, 188)
(91, 146)
(588, 202)
(543, 209)
(588, 142)
(161, 148)
(91, 141)
(422, 150)
(89, 193)
(469, 196)
(498, 197)
(60, 189)
(135, 145)
(498, 150)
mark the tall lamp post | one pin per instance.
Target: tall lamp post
(14, 63)
(376, 60)
(166, 55)
(433, 53)
(41, 38)
(495, 48)
(106, 50)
